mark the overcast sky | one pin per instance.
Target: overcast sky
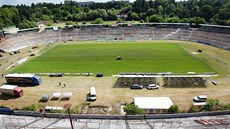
(28, 2)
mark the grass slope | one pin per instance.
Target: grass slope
(101, 58)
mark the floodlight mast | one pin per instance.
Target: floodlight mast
(68, 106)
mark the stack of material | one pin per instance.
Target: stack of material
(53, 108)
(56, 95)
(45, 97)
(67, 95)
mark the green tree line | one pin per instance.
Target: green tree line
(196, 11)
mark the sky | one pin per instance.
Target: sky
(28, 2)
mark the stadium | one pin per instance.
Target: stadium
(185, 61)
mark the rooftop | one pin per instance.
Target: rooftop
(153, 102)
(19, 75)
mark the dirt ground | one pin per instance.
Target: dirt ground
(109, 96)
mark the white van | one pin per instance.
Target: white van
(92, 94)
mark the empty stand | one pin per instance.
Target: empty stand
(216, 36)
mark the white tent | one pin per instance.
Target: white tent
(153, 104)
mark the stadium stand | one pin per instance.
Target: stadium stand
(115, 33)
(49, 35)
(27, 122)
(218, 36)
(68, 34)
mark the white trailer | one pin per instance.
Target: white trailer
(11, 90)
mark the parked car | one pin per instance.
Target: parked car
(153, 86)
(136, 86)
(91, 96)
(200, 98)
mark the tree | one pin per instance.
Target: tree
(27, 24)
(134, 16)
(132, 109)
(170, 9)
(112, 14)
(159, 10)
(151, 4)
(195, 11)
(206, 12)
(200, 11)
(93, 14)
(150, 12)
(138, 6)
(102, 14)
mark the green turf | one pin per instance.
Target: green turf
(101, 58)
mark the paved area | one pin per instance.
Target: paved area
(25, 122)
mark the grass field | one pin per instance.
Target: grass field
(101, 58)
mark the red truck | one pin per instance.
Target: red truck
(11, 90)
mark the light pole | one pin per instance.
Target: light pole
(68, 106)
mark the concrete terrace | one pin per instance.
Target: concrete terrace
(26, 122)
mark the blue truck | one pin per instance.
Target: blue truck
(6, 111)
(23, 79)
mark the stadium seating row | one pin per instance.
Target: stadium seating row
(214, 36)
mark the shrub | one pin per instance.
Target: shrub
(30, 108)
(173, 20)
(212, 105)
(132, 109)
(69, 23)
(173, 109)
(193, 109)
(73, 110)
(225, 107)
(156, 18)
(142, 21)
(98, 21)
(49, 23)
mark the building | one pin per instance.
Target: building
(118, 1)
(80, 3)
(85, 3)
(70, 1)
(153, 105)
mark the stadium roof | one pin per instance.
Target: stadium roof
(195, 75)
(217, 26)
(137, 76)
(19, 75)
